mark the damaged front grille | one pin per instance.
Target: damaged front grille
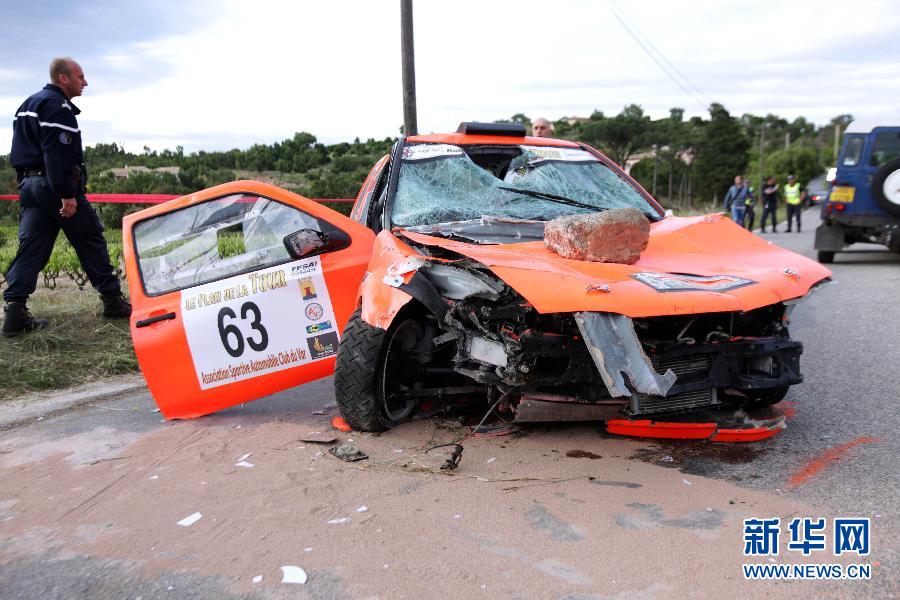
(685, 365)
(642, 404)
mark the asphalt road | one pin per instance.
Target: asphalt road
(89, 498)
(851, 336)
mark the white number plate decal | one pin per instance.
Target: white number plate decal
(252, 324)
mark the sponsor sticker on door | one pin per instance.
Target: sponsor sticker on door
(257, 323)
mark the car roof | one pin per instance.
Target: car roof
(865, 126)
(463, 139)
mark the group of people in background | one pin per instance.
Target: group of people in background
(741, 202)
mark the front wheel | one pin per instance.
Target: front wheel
(826, 257)
(373, 371)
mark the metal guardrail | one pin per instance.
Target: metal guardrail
(153, 198)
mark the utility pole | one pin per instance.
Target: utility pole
(762, 160)
(787, 140)
(409, 68)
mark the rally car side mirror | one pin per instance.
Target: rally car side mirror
(309, 242)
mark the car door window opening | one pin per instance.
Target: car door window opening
(215, 239)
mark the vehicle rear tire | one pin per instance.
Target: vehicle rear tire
(770, 397)
(372, 367)
(826, 257)
(888, 201)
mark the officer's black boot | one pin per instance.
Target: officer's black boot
(18, 320)
(115, 306)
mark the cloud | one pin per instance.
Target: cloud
(233, 73)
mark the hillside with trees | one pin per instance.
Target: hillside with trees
(685, 163)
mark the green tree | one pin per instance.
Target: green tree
(621, 136)
(801, 161)
(721, 153)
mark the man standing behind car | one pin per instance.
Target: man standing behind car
(49, 163)
(735, 199)
(770, 204)
(542, 128)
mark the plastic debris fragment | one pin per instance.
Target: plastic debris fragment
(317, 437)
(242, 461)
(339, 520)
(340, 424)
(190, 520)
(257, 579)
(293, 574)
(348, 453)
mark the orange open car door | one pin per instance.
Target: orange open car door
(239, 291)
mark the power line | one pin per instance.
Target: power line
(660, 54)
(661, 61)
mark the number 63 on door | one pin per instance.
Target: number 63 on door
(256, 323)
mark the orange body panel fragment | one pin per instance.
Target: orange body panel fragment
(689, 431)
(658, 429)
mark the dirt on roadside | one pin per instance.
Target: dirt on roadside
(559, 511)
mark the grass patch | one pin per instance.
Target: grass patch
(80, 346)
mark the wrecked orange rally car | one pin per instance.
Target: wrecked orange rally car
(441, 287)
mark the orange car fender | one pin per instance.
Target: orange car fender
(393, 261)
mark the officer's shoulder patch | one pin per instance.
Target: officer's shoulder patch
(65, 137)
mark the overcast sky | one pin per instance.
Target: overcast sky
(230, 73)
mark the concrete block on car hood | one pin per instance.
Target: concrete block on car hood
(618, 235)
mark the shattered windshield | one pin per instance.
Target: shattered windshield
(441, 183)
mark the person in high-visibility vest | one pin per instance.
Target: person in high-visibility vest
(793, 198)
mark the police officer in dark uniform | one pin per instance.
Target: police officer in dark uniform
(49, 162)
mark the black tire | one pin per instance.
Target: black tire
(826, 257)
(770, 397)
(354, 375)
(878, 182)
(371, 365)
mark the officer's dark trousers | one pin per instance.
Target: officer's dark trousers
(39, 224)
(793, 210)
(768, 210)
(749, 218)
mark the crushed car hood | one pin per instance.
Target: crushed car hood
(706, 246)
